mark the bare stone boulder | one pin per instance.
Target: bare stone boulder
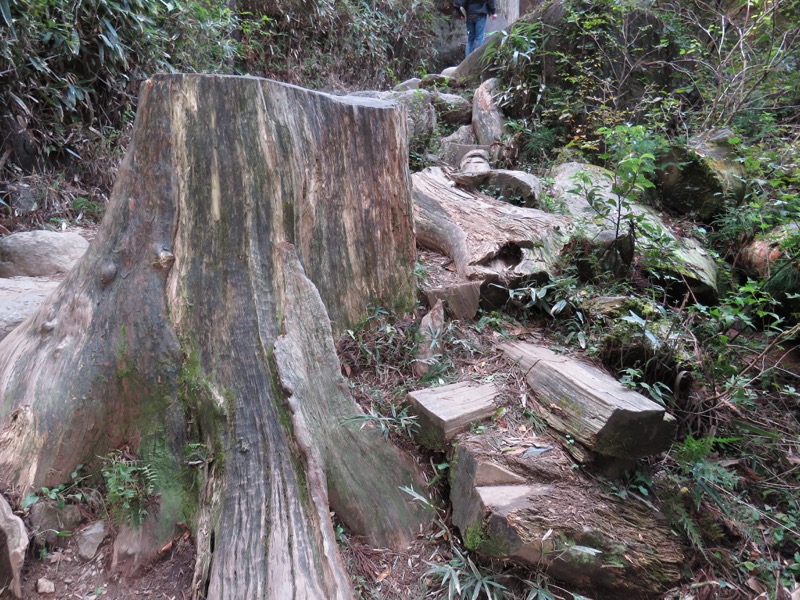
(452, 108)
(48, 521)
(517, 185)
(703, 175)
(20, 297)
(607, 217)
(40, 253)
(89, 540)
(408, 84)
(458, 144)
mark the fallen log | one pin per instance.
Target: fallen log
(489, 240)
(582, 401)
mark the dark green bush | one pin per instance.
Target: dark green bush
(337, 45)
(63, 63)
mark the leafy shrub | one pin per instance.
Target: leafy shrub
(66, 63)
(572, 66)
(337, 44)
(130, 485)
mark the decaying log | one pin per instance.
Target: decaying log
(593, 407)
(519, 498)
(488, 240)
(245, 213)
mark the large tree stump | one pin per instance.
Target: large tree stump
(244, 209)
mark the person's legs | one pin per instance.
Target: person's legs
(470, 35)
(480, 32)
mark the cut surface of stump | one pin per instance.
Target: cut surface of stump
(520, 499)
(449, 410)
(581, 400)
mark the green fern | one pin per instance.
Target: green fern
(681, 518)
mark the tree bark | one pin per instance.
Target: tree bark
(245, 213)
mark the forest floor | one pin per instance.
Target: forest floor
(377, 358)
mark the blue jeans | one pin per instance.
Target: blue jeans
(476, 32)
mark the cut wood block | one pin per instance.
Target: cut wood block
(447, 411)
(462, 300)
(593, 407)
(536, 511)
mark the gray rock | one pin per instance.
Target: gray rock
(702, 176)
(472, 71)
(47, 521)
(23, 199)
(457, 145)
(452, 108)
(434, 81)
(408, 84)
(449, 72)
(40, 253)
(19, 298)
(517, 184)
(89, 540)
(488, 122)
(45, 586)
(13, 544)
(684, 256)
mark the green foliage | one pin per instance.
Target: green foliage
(62, 63)
(461, 578)
(129, 485)
(569, 68)
(398, 421)
(737, 59)
(61, 494)
(326, 44)
(560, 297)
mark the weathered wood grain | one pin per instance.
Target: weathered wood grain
(488, 240)
(593, 407)
(245, 214)
(448, 410)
